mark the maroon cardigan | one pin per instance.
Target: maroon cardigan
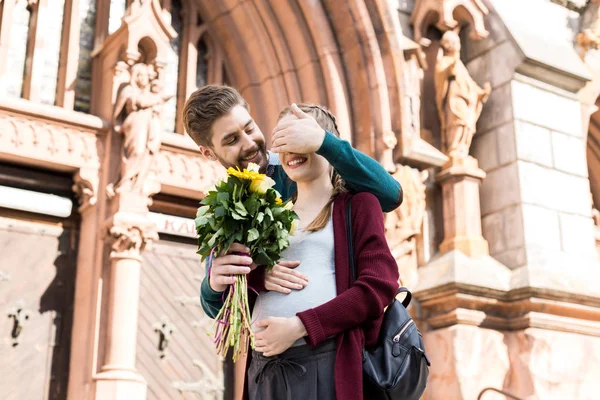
(354, 316)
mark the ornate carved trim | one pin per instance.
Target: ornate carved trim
(86, 188)
(47, 136)
(449, 15)
(186, 174)
(129, 234)
(209, 386)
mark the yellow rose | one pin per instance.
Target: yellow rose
(262, 185)
(294, 227)
(278, 201)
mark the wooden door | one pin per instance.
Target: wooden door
(188, 367)
(37, 275)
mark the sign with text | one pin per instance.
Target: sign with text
(173, 225)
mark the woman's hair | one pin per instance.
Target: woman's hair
(327, 121)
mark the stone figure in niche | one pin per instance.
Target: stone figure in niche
(404, 224)
(589, 37)
(137, 116)
(458, 98)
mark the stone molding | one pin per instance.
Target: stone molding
(454, 289)
(48, 136)
(455, 304)
(185, 173)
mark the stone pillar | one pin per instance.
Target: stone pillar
(86, 285)
(460, 180)
(128, 232)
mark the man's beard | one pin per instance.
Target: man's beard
(241, 163)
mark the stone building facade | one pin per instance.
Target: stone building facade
(484, 110)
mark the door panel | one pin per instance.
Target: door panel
(169, 295)
(37, 274)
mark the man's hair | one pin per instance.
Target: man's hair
(205, 106)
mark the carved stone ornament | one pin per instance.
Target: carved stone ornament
(458, 98)
(188, 172)
(27, 136)
(449, 15)
(405, 223)
(137, 116)
(208, 387)
(85, 188)
(589, 37)
(130, 238)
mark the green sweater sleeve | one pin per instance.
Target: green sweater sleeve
(210, 300)
(361, 173)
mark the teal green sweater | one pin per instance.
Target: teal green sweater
(361, 174)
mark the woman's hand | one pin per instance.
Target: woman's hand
(283, 278)
(279, 334)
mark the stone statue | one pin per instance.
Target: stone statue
(405, 223)
(589, 37)
(459, 99)
(140, 103)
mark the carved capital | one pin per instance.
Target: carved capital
(449, 15)
(129, 234)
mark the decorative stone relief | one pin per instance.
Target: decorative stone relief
(459, 99)
(128, 239)
(85, 187)
(192, 172)
(405, 223)
(60, 142)
(449, 15)
(209, 387)
(141, 102)
(589, 36)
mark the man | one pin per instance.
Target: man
(218, 119)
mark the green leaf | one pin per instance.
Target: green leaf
(253, 235)
(251, 205)
(220, 211)
(261, 258)
(213, 239)
(210, 198)
(239, 207)
(260, 217)
(201, 221)
(223, 197)
(237, 216)
(202, 210)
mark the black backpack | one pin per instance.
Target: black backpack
(397, 368)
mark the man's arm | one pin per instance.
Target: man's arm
(360, 172)
(210, 300)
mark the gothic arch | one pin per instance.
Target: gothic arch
(345, 55)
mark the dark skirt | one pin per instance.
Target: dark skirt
(298, 373)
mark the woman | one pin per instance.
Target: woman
(309, 342)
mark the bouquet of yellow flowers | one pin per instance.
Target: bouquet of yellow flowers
(245, 209)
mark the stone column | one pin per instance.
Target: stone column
(460, 180)
(128, 232)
